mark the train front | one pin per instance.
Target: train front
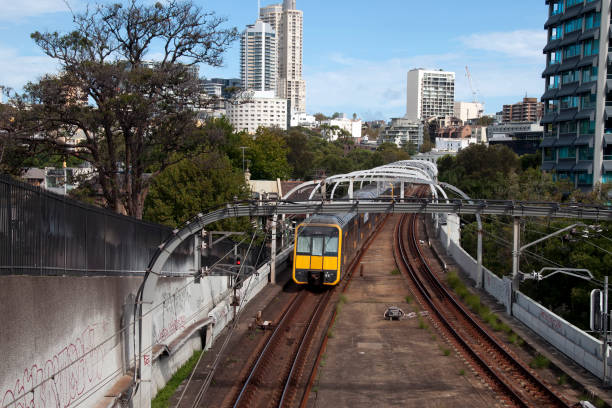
(316, 256)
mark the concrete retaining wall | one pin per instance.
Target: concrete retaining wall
(62, 336)
(581, 347)
(578, 345)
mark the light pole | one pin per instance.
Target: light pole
(243, 149)
(586, 275)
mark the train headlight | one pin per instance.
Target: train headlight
(330, 276)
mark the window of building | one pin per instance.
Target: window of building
(569, 102)
(588, 101)
(554, 82)
(556, 33)
(571, 76)
(570, 3)
(592, 20)
(555, 57)
(557, 8)
(587, 127)
(591, 47)
(573, 25)
(585, 153)
(549, 154)
(571, 51)
(567, 152)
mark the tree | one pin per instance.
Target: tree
(267, 154)
(132, 115)
(319, 117)
(192, 186)
(485, 121)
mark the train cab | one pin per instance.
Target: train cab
(317, 252)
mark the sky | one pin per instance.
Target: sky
(356, 53)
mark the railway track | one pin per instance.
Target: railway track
(272, 379)
(504, 373)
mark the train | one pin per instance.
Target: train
(325, 245)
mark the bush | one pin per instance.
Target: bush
(539, 361)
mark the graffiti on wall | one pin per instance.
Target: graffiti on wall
(63, 378)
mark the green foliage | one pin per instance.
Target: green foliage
(192, 186)
(408, 299)
(539, 361)
(395, 271)
(267, 153)
(162, 399)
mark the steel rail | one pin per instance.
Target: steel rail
(301, 296)
(315, 318)
(482, 331)
(465, 314)
(489, 371)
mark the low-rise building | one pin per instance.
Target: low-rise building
(303, 119)
(468, 110)
(331, 127)
(453, 144)
(402, 132)
(455, 132)
(433, 156)
(522, 138)
(58, 180)
(257, 109)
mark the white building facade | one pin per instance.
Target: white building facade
(287, 22)
(453, 144)
(261, 109)
(430, 94)
(352, 126)
(258, 57)
(468, 110)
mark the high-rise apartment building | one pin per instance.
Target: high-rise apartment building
(430, 94)
(577, 120)
(530, 110)
(258, 57)
(287, 22)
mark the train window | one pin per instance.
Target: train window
(303, 244)
(331, 246)
(317, 245)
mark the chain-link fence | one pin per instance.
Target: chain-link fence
(45, 234)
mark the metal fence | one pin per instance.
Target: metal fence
(46, 234)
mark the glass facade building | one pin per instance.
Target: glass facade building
(577, 119)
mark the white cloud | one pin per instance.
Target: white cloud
(374, 87)
(27, 8)
(17, 70)
(519, 43)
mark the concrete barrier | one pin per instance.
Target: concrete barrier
(576, 344)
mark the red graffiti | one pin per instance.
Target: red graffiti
(147, 359)
(62, 379)
(551, 321)
(173, 327)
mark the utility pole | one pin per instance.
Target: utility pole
(243, 149)
(606, 319)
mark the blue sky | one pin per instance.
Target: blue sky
(356, 53)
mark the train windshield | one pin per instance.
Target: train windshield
(318, 241)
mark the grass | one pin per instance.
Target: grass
(462, 372)
(422, 324)
(539, 361)
(395, 272)
(342, 299)
(513, 338)
(330, 334)
(446, 352)
(408, 299)
(162, 399)
(562, 380)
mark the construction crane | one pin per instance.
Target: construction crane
(469, 77)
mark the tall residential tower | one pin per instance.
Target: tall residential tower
(287, 22)
(430, 94)
(258, 57)
(577, 120)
